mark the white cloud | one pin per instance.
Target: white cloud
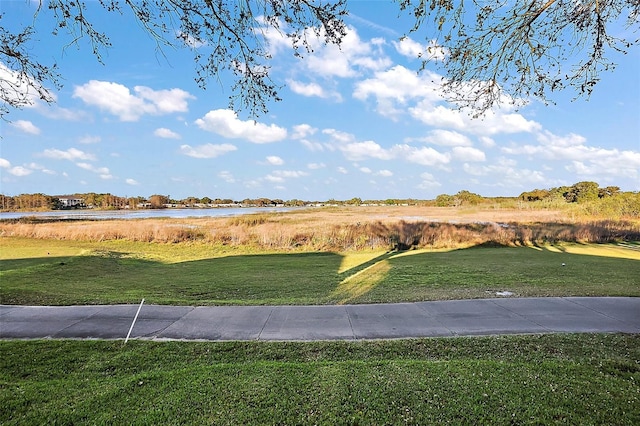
(399, 91)
(339, 136)
(275, 160)
(395, 87)
(312, 89)
(365, 170)
(414, 50)
(207, 150)
(438, 116)
(360, 150)
(89, 139)
(510, 174)
(57, 112)
(467, 153)
(549, 139)
(36, 166)
(428, 181)
(20, 171)
(316, 166)
(279, 176)
(165, 133)
(226, 176)
(613, 163)
(226, 123)
(585, 160)
(487, 141)
(26, 127)
(165, 101)
(276, 39)
(16, 171)
(352, 55)
(274, 178)
(425, 156)
(132, 182)
(119, 101)
(312, 146)
(385, 173)
(342, 170)
(72, 154)
(290, 173)
(104, 171)
(19, 88)
(446, 138)
(302, 131)
(357, 151)
(493, 122)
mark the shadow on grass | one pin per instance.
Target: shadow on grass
(111, 277)
(115, 277)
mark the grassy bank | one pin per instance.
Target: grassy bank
(36, 271)
(552, 379)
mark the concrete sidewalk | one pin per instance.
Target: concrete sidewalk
(347, 322)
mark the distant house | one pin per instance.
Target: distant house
(67, 201)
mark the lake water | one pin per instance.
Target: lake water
(145, 214)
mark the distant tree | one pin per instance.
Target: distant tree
(262, 202)
(206, 200)
(191, 200)
(134, 202)
(91, 199)
(355, 201)
(6, 202)
(490, 51)
(158, 201)
(468, 198)
(581, 192)
(445, 200)
(535, 195)
(295, 203)
(609, 191)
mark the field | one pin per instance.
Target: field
(553, 379)
(343, 229)
(326, 257)
(37, 272)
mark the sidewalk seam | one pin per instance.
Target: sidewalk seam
(265, 323)
(522, 316)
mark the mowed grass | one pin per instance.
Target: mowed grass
(548, 379)
(57, 272)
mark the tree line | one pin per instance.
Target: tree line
(576, 193)
(40, 201)
(587, 194)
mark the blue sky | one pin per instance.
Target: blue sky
(355, 122)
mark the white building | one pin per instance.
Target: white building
(70, 201)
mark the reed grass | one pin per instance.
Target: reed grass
(339, 230)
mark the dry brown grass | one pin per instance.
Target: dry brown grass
(341, 229)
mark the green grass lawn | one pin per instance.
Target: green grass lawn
(66, 272)
(550, 379)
